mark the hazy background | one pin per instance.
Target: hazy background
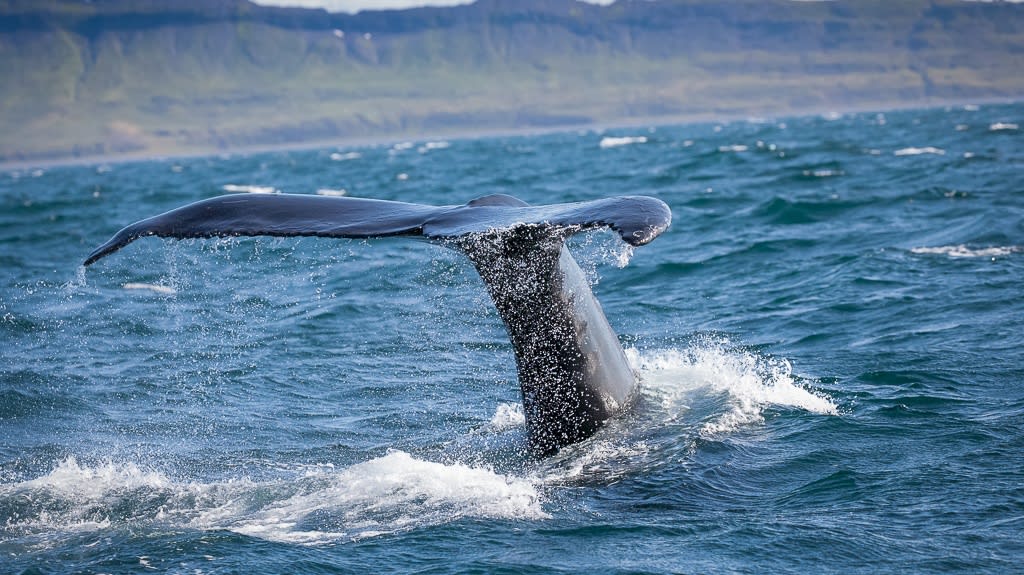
(147, 77)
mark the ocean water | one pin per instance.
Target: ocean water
(830, 337)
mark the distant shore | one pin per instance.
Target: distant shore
(389, 139)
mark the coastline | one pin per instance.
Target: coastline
(388, 138)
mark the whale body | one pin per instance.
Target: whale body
(572, 370)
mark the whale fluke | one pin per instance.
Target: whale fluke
(637, 219)
(573, 373)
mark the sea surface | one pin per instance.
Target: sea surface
(830, 337)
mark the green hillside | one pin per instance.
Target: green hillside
(150, 77)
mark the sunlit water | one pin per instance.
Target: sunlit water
(830, 338)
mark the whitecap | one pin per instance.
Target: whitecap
(733, 147)
(823, 173)
(919, 151)
(615, 142)
(1002, 126)
(155, 288)
(339, 157)
(430, 146)
(249, 189)
(963, 251)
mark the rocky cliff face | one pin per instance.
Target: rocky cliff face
(119, 76)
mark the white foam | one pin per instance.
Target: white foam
(387, 494)
(336, 193)
(733, 148)
(919, 151)
(1002, 126)
(963, 251)
(74, 497)
(89, 483)
(430, 146)
(155, 288)
(614, 142)
(823, 173)
(750, 382)
(339, 157)
(239, 188)
(312, 505)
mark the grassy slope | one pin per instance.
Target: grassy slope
(230, 80)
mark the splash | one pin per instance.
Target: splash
(507, 416)
(750, 382)
(391, 493)
(314, 505)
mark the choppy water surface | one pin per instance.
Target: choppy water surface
(830, 337)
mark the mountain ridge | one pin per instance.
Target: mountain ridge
(137, 77)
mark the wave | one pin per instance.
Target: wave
(919, 151)
(340, 157)
(615, 142)
(398, 492)
(431, 146)
(392, 493)
(733, 148)
(1002, 127)
(823, 173)
(963, 251)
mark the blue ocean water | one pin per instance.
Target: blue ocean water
(830, 337)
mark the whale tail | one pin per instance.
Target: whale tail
(573, 373)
